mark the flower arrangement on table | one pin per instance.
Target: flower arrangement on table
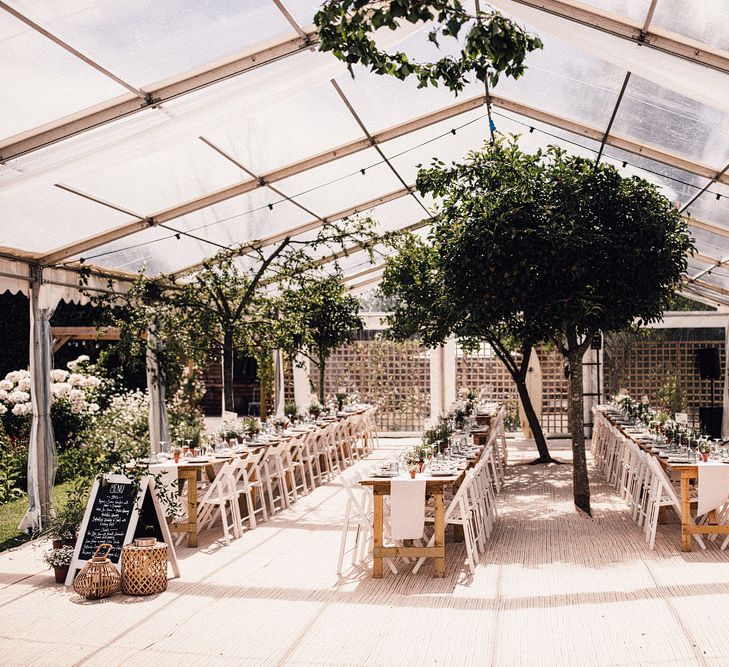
(280, 423)
(315, 409)
(438, 437)
(252, 426)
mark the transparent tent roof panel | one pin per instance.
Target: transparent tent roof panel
(41, 221)
(292, 128)
(705, 21)
(41, 82)
(145, 41)
(242, 219)
(152, 182)
(674, 123)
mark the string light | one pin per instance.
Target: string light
(492, 126)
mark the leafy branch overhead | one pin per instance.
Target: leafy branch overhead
(233, 301)
(494, 44)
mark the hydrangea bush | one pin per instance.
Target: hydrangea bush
(97, 425)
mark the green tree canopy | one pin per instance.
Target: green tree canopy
(328, 318)
(545, 247)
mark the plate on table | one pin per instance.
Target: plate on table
(443, 473)
(675, 459)
(198, 459)
(384, 473)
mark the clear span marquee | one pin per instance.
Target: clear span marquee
(153, 134)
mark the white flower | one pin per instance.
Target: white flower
(20, 409)
(60, 389)
(94, 407)
(59, 375)
(24, 384)
(13, 377)
(90, 382)
(19, 396)
(75, 379)
(76, 396)
(3, 409)
(3, 395)
(6, 385)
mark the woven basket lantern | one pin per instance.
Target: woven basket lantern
(98, 578)
(144, 567)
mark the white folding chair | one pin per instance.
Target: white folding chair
(357, 514)
(221, 494)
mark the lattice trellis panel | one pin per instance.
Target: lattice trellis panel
(647, 365)
(484, 372)
(395, 376)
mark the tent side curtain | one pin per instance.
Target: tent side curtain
(58, 284)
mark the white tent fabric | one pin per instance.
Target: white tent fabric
(302, 383)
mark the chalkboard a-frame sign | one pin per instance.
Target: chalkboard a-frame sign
(112, 516)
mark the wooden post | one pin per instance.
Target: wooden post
(378, 541)
(685, 511)
(439, 532)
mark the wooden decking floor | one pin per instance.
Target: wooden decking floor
(555, 588)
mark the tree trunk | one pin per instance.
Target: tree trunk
(580, 480)
(322, 368)
(228, 353)
(539, 440)
(519, 377)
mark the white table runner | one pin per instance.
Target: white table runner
(407, 508)
(713, 486)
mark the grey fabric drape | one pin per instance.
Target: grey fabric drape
(157, 419)
(278, 381)
(725, 401)
(42, 458)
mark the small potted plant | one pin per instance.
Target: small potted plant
(704, 449)
(412, 460)
(315, 409)
(60, 560)
(63, 527)
(290, 410)
(341, 397)
(176, 452)
(252, 428)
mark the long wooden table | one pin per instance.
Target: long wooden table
(435, 487)
(688, 473)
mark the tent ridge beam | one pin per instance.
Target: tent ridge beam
(126, 105)
(669, 43)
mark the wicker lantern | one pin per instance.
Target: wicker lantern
(98, 578)
(144, 567)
